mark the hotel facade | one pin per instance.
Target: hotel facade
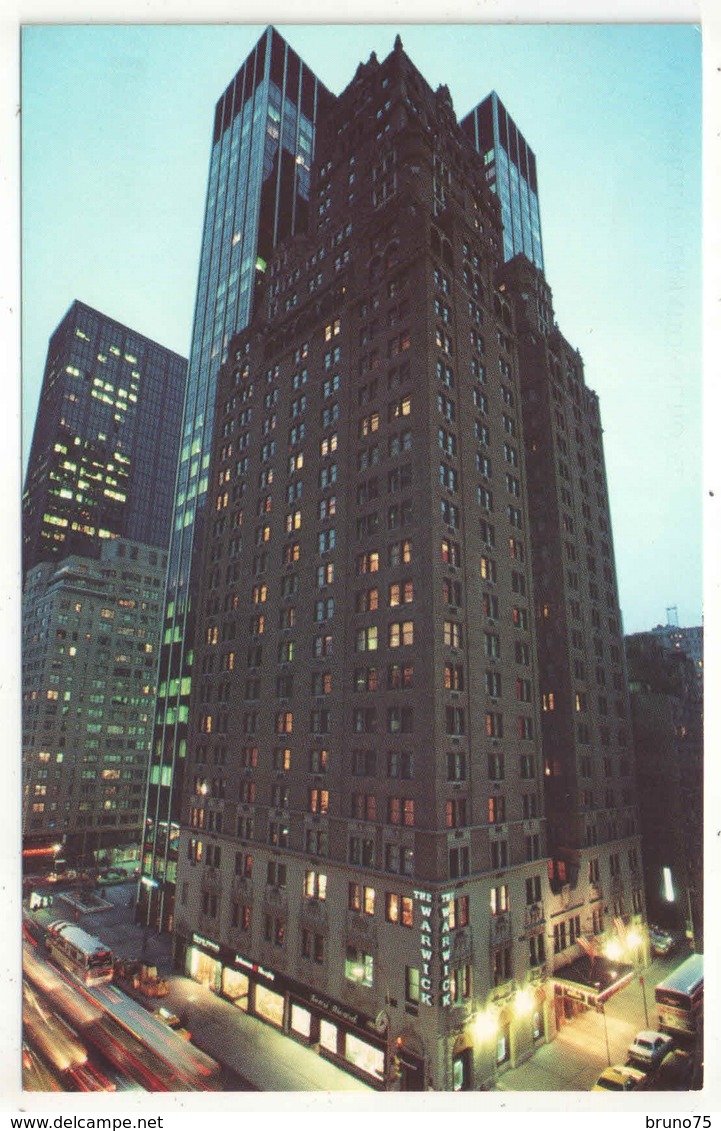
(407, 801)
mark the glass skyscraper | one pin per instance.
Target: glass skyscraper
(105, 446)
(511, 173)
(258, 189)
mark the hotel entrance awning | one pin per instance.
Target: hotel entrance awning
(592, 980)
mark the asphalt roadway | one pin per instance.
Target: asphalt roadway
(256, 1057)
(253, 1056)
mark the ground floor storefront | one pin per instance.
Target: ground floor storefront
(467, 1053)
(345, 1036)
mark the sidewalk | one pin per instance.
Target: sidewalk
(575, 1060)
(267, 1060)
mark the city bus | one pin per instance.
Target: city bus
(81, 954)
(177, 1065)
(679, 998)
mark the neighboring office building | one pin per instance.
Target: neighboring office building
(687, 640)
(371, 873)
(104, 452)
(668, 736)
(511, 173)
(90, 633)
(258, 192)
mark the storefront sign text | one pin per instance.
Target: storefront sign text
(207, 943)
(333, 1008)
(435, 939)
(254, 967)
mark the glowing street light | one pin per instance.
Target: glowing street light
(613, 950)
(523, 1002)
(485, 1025)
(633, 940)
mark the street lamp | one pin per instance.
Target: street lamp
(602, 1009)
(633, 940)
(634, 943)
(485, 1028)
(485, 1025)
(642, 980)
(523, 1002)
(634, 946)
(605, 1030)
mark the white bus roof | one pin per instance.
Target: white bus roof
(686, 977)
(77, 936)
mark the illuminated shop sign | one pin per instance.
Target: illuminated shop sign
(425, 899)
(254, 967)
(334, 1009)
(201, 940)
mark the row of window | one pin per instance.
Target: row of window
(399, 764)
(398, 908)
(400, 634)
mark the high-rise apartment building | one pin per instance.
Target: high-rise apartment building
(510, 166)
(258, 194)
(104, 451)
(363, 857)
(90, 632)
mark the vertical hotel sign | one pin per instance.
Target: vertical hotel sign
(435, 941)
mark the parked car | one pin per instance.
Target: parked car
(167, 1017)
(661, 941)
(649, 1048)
(127, 967)
(620, 1078)
(675, 1071)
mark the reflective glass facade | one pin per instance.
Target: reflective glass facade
(511, 173)
(105, 447)
(258, 188)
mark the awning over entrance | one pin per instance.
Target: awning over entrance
(592, 980)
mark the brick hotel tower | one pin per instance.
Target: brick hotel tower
(594, 842)
(400, 608)
(362, 854)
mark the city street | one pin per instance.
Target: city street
(580, 1052)
(255, 1056)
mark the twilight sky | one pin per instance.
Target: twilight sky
(116, 139)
